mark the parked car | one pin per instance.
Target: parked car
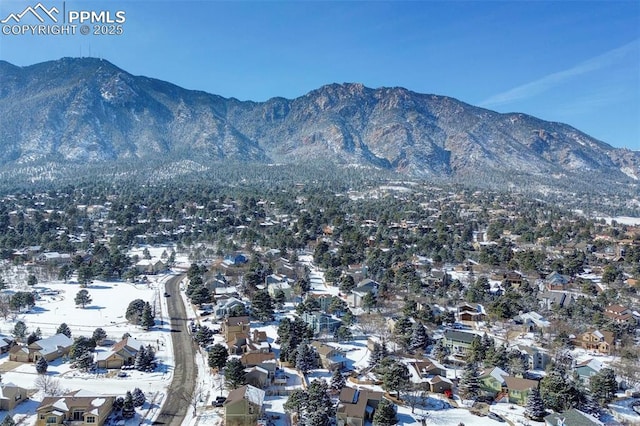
(166, 294)
(219, 401)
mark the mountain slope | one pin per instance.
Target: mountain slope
(88, 110)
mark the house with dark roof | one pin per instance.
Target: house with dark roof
(357, 294)
(458, 342)
(233, 325)
(243, 406)
(357, 406)
(77, 408)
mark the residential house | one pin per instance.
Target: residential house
(601, 341)
(555, 281)
(561, 299)
(78, 408)
(122, 353)
(426, 369)
(54, 258)
(6, 343)
(274, 285)
(257, 358)
(458, 342)
(532, 321)
(235, 259)
(257, 376)
(225, 306)
(499, 384)
(587, 369)
(150, 266)
(11, 395)
(233, 325)
(439, 384)
(357, 294)
(49, 348)
(331, 358)
(321, 323)
(537, 359)
(513, 278)
(620, 315)
(357, 406)
(243, 406)
(572, 417)
(471, 314)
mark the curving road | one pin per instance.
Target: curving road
(179, 394)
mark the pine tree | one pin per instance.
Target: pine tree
(8, 421)
(147, 321)
(395, 377)
(385, 414)
(337, 381)
(139, 362)
(82, 298)
(149, 359)
(218, 356)
(419, 337)
(469, 383)
(440, 351)
(319, 402)
(42, 365)
(377, 354)
(138, 397)
(535, 406)
(64, 329)
(234, 375)
(128, 409)
(603, 385)
(99, 335)
(262, 306)
(296, 402)
(305, 359)
(85, 360)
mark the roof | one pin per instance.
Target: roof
(354, 402)
(460, 336)
(79, 398)
(256, 358)
(232, 321)
(323, 349)
(573, 417)
(520, 384)
(51, 344)
(247, 392)
(128, 342)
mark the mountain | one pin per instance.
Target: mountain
(88, 111)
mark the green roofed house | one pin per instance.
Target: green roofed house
(571, 417)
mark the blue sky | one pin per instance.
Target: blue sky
(569, 61)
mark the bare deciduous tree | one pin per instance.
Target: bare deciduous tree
(49, 385)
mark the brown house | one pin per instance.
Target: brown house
(601, 341)
(427, 369)
(330, 357)
(11, 395)
(355, 407)
(620, 314)
(471, 314)
(122, 353)
(233, 325)
(78, 408)
(439, 384)
(50, 348)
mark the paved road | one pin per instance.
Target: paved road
(181, 389)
